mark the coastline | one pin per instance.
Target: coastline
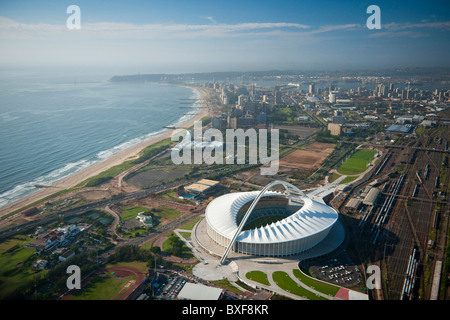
(95, 169)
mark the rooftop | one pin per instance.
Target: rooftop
(197, 291)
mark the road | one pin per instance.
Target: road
(110, 202)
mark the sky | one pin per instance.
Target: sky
(236, 35)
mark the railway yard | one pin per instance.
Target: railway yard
(400, 222)
(405, 230)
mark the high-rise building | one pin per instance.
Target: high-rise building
(312, 88)
(382, 90)
(225, 99)
(241, 100)
(335, 129)
(391, 87)
(278, 97)
(332, 97)
(233, 123)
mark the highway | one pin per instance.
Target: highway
(109, 202)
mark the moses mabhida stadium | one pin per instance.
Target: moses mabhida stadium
(269, 222)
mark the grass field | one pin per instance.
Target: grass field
(185, 235)
(263, 221)
(225, 283)
(333, 176)
(285, 282)
(166, 212)
(104, 287)
(131, 213)
(190, 225)
(138, 265)
(184, 253)
(16, 263)
(320, 286)
(357, 163)
(258, 276)
(348, 179)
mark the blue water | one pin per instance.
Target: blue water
(51, 128)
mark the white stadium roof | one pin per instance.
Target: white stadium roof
(197, 291)
(312, 218)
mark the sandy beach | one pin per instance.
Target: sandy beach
(95, 169)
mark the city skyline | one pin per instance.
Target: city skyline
(200, 36)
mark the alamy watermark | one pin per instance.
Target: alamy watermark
(374, 280)
(74, 20)
(374, 21)
(208, 147)
(74, 280)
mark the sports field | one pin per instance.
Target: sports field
(116, 282)
(307, 159)
(357, 163)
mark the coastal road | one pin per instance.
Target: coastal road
(110, 202)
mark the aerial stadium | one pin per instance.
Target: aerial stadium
(268, 222)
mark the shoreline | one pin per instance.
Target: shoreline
(95, 169)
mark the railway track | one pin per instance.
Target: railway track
(393, 234)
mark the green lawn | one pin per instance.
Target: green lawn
(227, 285)
(166, 212)
(185, 235)
(131, 213)
(107, 175)
(320, 286)
(173, 240)
(357, 163)
(285, 282)
(112, 172)
(348, 179)
(263, 221)
(258, 276)
(103, 287)
(190, 225)
(16, 264)
(333, 176)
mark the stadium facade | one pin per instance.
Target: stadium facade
(296, 223)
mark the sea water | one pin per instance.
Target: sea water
(53, 127)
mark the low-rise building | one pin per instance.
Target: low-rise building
(353, 204)
(66, 255)
(40, 264)
(146, 221)
(197, 291)
(372, 197)
(202, 187)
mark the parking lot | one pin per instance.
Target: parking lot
(340, 272)
(169, 287)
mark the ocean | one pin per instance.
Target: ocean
(53, 127)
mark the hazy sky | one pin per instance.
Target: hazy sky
(239, 35)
